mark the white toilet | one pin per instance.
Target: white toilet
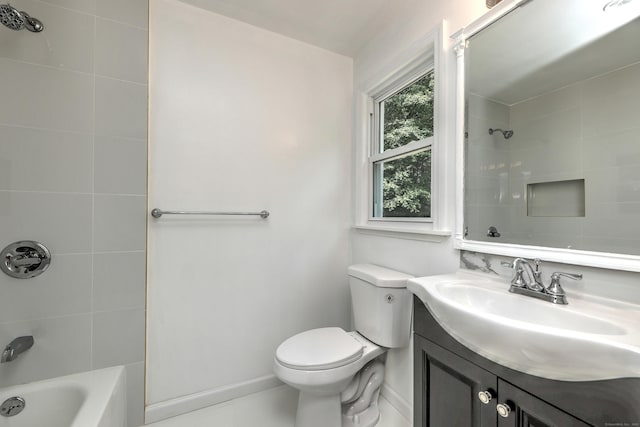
(337, 372)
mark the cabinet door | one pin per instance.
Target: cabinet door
(529, 411)
(447, 389)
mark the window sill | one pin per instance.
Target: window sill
(436, 236)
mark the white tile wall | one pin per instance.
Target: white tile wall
(132, 12)
(62, 346)
(64, 290)
(130, 156)
(116, 280)
(488, 194)
(121, 108)
(118, 48)
(62, 221)
(119, 223)
(118, 337)
(41, 152)
(53, 98)
(73, 158)
(59, 46)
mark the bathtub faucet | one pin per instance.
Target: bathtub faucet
(16, 347)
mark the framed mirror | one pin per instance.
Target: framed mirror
(548, 132)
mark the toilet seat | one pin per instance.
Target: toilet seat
(319, 349)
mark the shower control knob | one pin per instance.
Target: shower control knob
(25, 259)
(485, 396)
(504, 409)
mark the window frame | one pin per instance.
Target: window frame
(376, 77)
(376, 118)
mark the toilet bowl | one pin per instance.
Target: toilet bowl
(322, 363)
(338, 373)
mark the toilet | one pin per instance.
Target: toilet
(339, 373)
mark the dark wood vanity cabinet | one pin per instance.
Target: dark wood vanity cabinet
(529, 411)
(450, 397)
(449, 376)
(451, 385)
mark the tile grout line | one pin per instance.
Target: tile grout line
(93, 14)
(73, 132)
(70, 70)
(93, 197)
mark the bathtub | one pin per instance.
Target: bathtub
(90, 399)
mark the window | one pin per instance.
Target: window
(400, 164)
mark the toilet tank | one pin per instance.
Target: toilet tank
(381, 304)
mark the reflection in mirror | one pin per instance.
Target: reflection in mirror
(552, 149)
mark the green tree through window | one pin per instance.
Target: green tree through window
(407, 116)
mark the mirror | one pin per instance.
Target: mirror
(552, 127)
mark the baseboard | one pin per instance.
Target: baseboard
(192, 402)
(402, 406)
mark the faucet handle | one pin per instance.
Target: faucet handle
(554, 287)
(518, 279)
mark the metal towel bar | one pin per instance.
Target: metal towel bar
(157, 213)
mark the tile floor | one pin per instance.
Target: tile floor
(271, 408)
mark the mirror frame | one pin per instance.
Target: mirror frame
(607, 260)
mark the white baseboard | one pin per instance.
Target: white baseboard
(192, 402)
(402, 406)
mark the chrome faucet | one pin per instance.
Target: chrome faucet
(16, 347)
(533, 280)
(527, 280)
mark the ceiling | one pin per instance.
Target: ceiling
(547, 44)
(341, 26)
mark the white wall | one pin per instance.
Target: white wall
(242, 119)
(411, 22)
(73, 153)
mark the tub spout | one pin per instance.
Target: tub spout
(16, 347)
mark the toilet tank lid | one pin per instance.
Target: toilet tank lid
(379, 276)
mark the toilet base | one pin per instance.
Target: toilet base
(318, 411)
(367, 418)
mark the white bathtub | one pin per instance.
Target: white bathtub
(90, 399)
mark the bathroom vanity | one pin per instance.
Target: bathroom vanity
(449, 378)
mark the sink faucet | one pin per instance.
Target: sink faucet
(527, 280)
(16, 347)
(533, 280)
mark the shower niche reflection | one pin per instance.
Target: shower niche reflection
(562, 81)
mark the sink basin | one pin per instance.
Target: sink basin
(589, 339)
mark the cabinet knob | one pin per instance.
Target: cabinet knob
(485, 396)
(504, 409)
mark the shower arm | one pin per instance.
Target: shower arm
(505, 133)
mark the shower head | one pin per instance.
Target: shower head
(505, 133)
(16, 20)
